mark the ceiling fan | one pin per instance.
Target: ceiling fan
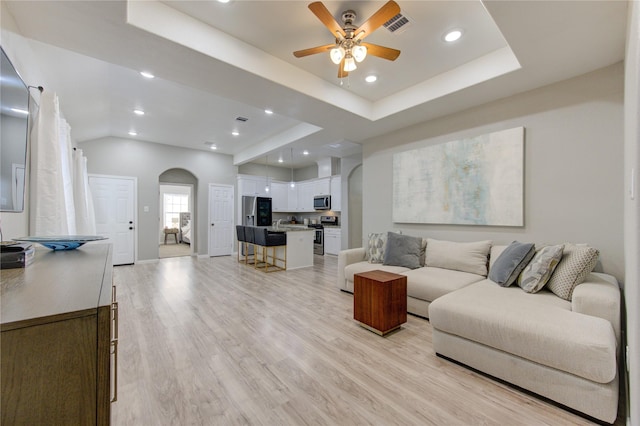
(349, 47)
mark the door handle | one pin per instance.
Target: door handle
(131, 227)
(130, 222)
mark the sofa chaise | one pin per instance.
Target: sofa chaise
(560, 341)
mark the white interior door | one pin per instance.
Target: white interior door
(114, 204)
(220, 220)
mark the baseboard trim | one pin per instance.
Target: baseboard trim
(142, 262)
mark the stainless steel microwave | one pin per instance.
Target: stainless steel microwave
(322, 202)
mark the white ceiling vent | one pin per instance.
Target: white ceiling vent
(398, 24)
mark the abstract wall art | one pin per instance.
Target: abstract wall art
(474, 181)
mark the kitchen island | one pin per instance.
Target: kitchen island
(299, 248)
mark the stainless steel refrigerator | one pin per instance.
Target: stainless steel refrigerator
(256, 211)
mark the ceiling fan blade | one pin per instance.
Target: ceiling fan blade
(326, 18)
(341, 72)
(381, 51)
(313, 50)
(386, 12)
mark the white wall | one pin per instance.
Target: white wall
(147, 161)
(573, 165)
(632, 207)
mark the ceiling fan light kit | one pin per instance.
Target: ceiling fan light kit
(337, 54)
(359, 53)
(349, 64)
(349, 48)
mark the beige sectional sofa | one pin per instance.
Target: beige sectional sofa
(565, 349)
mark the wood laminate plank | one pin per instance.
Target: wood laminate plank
(212, 341)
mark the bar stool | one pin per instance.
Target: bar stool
(266, 240)
(249, 239)
(242, 243)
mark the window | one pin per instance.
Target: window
(174, 204)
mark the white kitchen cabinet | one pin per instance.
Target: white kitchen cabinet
(332, 241)
(292, 197)
(280, 196)
(336, 193)
(305, 196)
(322, 186)
(252, 185)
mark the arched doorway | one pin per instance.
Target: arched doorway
(355, 207)
(178, 205)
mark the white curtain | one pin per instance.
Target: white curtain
(60, 202)
(85, 214)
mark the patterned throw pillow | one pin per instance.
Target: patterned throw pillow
(577, 262)
(376, 246)
(539, 270)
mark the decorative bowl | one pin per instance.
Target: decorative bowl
(62, 242)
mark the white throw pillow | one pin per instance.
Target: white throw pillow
(465, 257)
(577, 262)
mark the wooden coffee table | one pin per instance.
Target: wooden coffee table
(380, 301)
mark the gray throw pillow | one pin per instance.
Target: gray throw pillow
(402, 250)
(511, 262)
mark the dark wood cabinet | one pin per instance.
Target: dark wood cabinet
(59, 338)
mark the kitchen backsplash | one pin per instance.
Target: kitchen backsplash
(300, 217)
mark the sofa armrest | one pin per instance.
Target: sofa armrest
(599, 296)
(347, 257)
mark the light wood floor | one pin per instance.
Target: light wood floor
(213, 342)
(172, 249)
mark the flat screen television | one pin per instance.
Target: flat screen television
(14, 129)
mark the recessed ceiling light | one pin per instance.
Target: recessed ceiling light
(305, 152)
(370, 78)
(132, 133)
(280, 160)
(138, 112)
(213, 146)
(223, 1)
(235, 133)
(452, 36)
(268, 111)
(146, 74)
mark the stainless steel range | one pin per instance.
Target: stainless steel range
(318, 240)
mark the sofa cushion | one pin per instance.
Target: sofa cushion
(538, 327)
(576, 263)
(511, 262)
(364, 266)
(375, 247)
(430, 283)
(402, 250)
(465, 257)
(536, 274)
